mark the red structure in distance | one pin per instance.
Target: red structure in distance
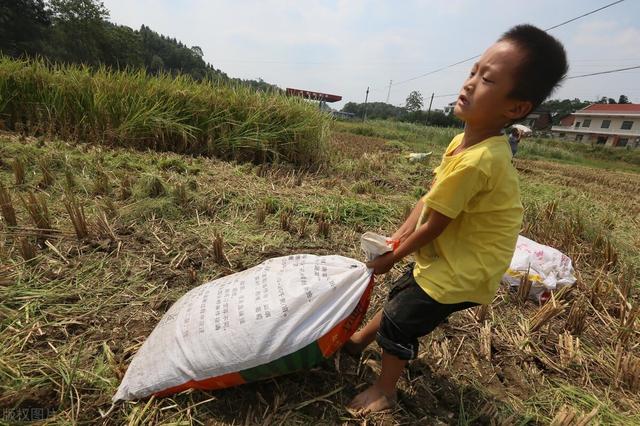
(316, 96)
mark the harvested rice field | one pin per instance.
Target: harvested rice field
(97, 242)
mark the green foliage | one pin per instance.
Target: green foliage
(579, 153)
(133, 109)
(414, 101)
(375, 110)
(78, 32)
(416, 137)
(23, 24)
(381, 110)
(562, 108)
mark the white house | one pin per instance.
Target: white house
(602, 124)
(449, 108)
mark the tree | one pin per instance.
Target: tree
(198, 51)
(23, 24)
(561, 108)
(414, 101)
(611, 101)
(623, 100)
(79, 11)
(157, 64)
(79, 30)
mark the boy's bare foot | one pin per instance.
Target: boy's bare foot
(372, 400)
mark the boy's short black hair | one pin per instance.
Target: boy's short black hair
(544, 67)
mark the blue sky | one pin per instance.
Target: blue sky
(342, 47)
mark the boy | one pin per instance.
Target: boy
(463, 232)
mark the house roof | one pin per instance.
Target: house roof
(612, 108)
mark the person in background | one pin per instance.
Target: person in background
(514, 140)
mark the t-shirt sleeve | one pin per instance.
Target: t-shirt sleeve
(451, 194)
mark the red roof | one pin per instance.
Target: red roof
(316, 96)
(612, 108)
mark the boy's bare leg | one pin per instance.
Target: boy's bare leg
(363, 337)
(382, 394)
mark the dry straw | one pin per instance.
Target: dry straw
(47, 176)
(39, 213)
(545, 314)
(324, 228)
(628, 369)
(567, 416)
(576, 320)
(6, 207)
(261, 215)
(104, 229)
(27, 250)
(76, 213)
(285, 220)
(218, 248)
(18, 171)
(524, 288)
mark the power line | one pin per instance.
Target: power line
(603, 72)
(570, 78)
(477, 56)
(582, 16)
(447, 95)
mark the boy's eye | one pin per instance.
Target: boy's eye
(486, 80)
(472, 73)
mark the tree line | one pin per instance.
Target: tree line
(561, 108)
(78, 32)
(413, 111)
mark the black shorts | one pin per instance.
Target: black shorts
(410, 313)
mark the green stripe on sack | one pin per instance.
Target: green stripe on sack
(302, 359)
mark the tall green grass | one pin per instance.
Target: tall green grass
(417, 137)
(580, 153)
(173, 113)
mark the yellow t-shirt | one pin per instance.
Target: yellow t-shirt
(478, 188)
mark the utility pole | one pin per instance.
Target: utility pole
(389, 92)
(364, 114)
(429, 110)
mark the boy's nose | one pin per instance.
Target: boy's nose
(468, 85)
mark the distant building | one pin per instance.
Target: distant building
(449, 108)
(602, 124)
(538, 120)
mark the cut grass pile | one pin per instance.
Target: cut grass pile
(129, 232)
(165, 113)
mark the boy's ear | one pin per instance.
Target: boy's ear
(519, 109)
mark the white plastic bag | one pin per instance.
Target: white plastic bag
(549, 269)
(285, 314)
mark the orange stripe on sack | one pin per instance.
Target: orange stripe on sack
(212, 383)
(338, 335)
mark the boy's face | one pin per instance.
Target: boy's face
(484, 99)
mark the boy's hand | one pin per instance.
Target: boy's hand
(381, 264)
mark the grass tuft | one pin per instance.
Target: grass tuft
(6, 207)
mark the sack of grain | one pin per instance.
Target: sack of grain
(548, 268)
(286, 314)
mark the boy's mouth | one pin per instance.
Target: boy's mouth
(463, 100)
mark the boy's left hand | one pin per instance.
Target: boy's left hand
(381, 264)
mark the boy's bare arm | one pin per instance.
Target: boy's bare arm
(409, 225)
(429, 231)
(436, 223)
